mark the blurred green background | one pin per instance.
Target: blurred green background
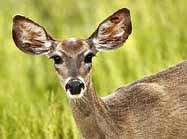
(32, 103)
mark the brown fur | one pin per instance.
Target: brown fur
(154, 107)
(73, 46)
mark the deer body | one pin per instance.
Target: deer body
(154, 107)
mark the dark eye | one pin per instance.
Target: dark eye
(88, 58)
(57, 59)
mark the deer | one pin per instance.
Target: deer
(154, 107)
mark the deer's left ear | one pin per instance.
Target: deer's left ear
(30, 37)
(113, 31)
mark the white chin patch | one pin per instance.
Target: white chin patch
(75, 96)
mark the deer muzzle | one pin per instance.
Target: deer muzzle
(74, 87)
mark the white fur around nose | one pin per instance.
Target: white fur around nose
(68, 92)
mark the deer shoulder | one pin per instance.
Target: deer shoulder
(153, 105)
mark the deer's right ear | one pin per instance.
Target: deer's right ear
(30, 37)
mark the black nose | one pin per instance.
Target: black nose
(74, 86)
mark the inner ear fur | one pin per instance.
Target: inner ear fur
(113, 31)
(30, 37)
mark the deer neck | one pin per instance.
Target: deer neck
(91, 115)
(88, 104)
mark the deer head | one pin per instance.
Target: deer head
(72, 57)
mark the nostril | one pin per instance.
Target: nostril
(74, 86)
(68, 87)
(81, 85)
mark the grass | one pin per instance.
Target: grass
(32, 102)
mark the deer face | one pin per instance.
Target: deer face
(72, 57)
(73, 61)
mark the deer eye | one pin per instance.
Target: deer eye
(88, 58)
(57, 59)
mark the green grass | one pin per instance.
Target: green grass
(32, 103)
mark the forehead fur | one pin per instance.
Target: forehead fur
(73, 46)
